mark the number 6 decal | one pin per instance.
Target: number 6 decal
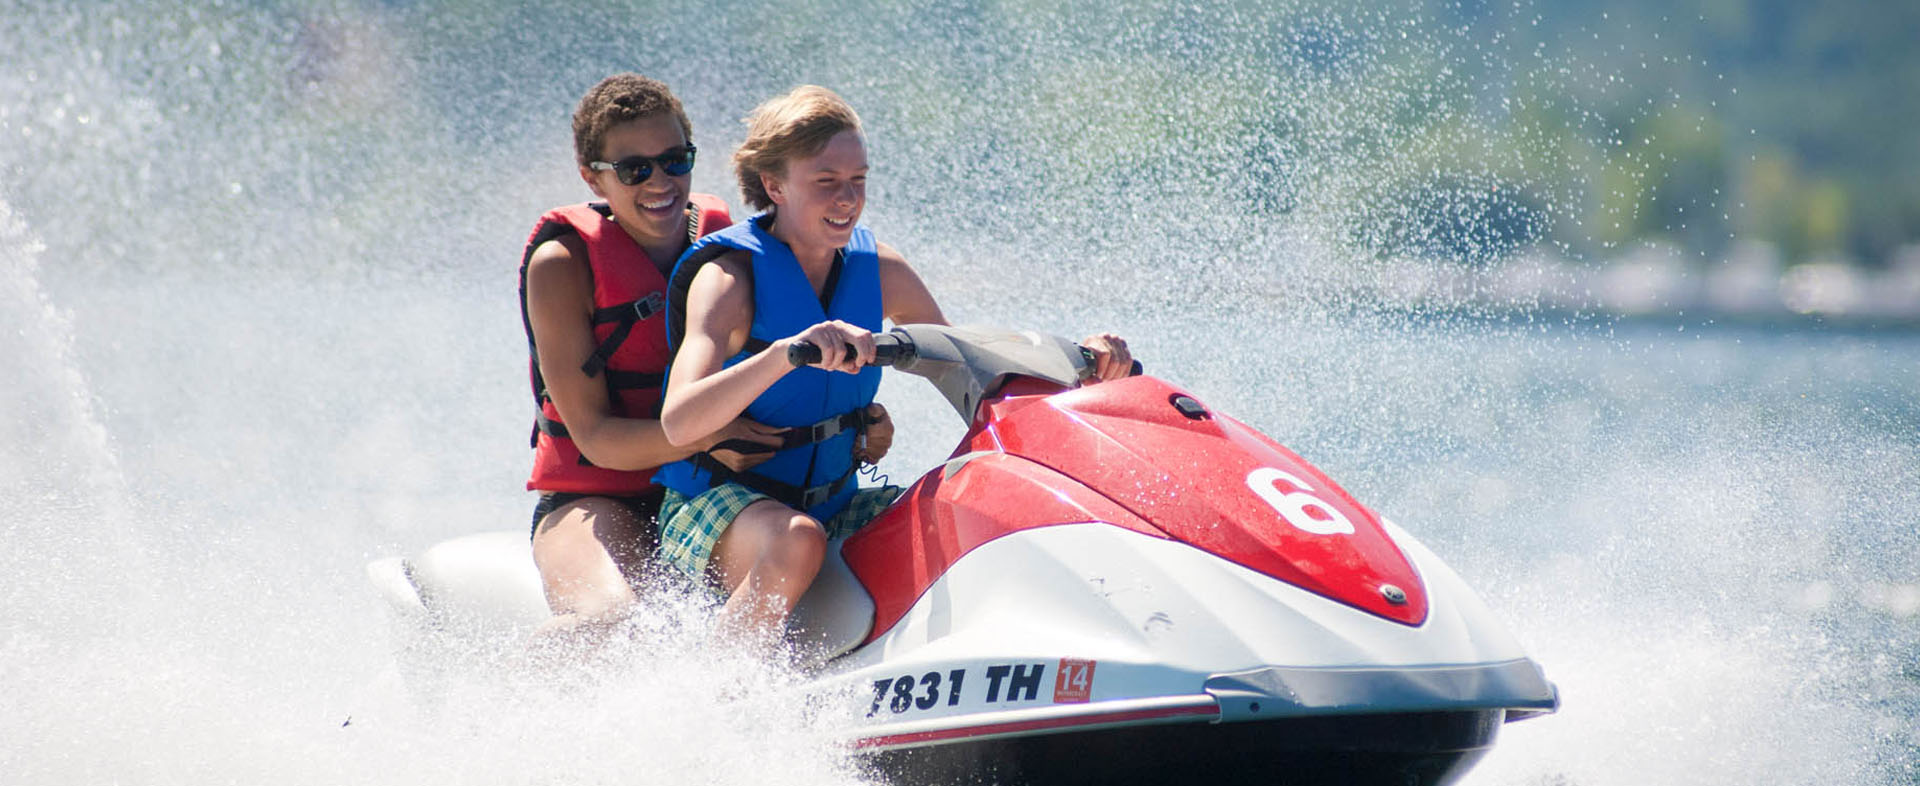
(1293, 505)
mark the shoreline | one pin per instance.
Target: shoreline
(1657, 285)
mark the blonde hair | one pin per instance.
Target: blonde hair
(795, 125)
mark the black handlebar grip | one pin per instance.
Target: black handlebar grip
(803, 353)
(809, 352)
(888, 348)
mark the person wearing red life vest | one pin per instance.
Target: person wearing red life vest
(592, 282)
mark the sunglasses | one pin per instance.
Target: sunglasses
(634, 170)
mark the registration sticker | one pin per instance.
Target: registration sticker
(1006, 683)
(1073, 683)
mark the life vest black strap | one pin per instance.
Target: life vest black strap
(645, 307)
(630, 380)
(745, 447)
(625, 316)
(826, 429)
(832, 284)
(550, 427)
(554, 428)
(802, 435)
(682, 280)
(796, 497)
(792, 496)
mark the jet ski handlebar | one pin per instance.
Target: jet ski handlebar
(888, 349)
(896, 348)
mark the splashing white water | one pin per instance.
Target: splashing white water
(266, 333)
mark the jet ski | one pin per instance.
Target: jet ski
(1112, 584)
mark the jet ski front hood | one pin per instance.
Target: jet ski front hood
(1213, 483)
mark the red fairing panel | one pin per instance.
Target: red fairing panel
(1120, 452)
(1216, 484)
(939, 519)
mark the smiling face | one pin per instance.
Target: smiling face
(819, 197)
(653, 212)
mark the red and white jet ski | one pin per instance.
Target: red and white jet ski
(1112, 584)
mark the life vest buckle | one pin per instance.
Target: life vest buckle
(650, 305)
(817, 495)
(821, 431)
(830, 427)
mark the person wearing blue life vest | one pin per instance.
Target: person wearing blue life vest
(804, 269)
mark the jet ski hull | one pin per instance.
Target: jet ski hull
(1162, 664)
(1427, 748)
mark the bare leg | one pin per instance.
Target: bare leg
(589, 552)
(766, 559)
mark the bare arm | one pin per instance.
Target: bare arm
(908, 302)
(560, 311)
(904, 297)
(704, 394)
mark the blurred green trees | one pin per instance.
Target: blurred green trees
(1789, 123)
(1454, 129)
(1469, 129)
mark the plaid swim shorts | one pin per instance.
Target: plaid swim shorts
(689, 528)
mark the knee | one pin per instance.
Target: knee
(802, 543)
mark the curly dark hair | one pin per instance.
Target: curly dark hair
(620, 98)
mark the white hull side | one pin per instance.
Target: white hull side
(1151, 622)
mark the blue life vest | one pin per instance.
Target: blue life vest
(826, 409)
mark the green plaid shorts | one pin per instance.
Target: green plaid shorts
(689, 528)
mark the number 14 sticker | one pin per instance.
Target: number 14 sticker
(1073, 683)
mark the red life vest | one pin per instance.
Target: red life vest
(629, 296)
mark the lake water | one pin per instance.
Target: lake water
(259, 315)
